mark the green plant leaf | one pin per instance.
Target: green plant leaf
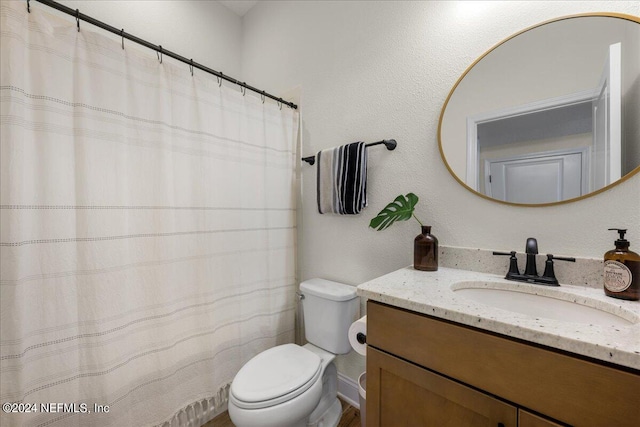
(400, 209)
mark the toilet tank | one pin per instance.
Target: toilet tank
(329, 309)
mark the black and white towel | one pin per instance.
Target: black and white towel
(342, 179)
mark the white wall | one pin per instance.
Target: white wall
(206, 31)
(371, 70)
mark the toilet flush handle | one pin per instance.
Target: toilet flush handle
(300, 296)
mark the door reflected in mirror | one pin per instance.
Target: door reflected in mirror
(551, 114)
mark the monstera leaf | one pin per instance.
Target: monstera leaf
(401, 209)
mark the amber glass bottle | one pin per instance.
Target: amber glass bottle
(425, 250)
(622, 270)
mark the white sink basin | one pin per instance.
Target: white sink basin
(554, 304)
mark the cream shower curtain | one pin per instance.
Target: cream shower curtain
(147, 229)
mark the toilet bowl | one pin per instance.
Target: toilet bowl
(291, 385)
(280, 387)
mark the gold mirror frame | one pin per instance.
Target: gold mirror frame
(446, 102)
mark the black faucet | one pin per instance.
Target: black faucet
(531, 249)
(530, 271)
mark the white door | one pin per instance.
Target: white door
(607, 122)
(536, 179)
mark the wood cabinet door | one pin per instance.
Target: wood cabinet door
(527, 419)
(400, 393)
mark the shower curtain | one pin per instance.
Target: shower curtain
(147, 230)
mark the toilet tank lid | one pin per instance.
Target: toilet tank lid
(328, 289)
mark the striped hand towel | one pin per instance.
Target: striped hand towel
(342, 179)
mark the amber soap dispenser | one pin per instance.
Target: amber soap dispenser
(622, 270)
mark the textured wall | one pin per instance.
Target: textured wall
(373, 70)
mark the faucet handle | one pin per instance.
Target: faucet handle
(512, 253)
(559, 258)
(513, 262)
(549, 273)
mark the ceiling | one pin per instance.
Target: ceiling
(239, 7)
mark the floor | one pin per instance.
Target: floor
(350, 418)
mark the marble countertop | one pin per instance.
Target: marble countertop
(433, 293)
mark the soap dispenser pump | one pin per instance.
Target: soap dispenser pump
(622, 270)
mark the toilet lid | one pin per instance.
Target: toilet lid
(277, 372)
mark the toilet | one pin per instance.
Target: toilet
(291, 385)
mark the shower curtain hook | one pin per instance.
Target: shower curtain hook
(243, 89)
(159, 56)
(78, 19)
(191, 67)
(122, 35)
(28, 7)
(280, 103)
(262, 96)
(220, 79)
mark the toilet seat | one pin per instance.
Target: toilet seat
(275, 376)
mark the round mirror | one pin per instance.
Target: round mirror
(549, 115)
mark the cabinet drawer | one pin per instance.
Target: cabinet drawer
(571, 390)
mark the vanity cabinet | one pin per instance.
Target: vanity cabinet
(424, 371)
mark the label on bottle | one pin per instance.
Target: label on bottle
(617, 276)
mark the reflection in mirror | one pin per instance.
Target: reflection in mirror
(549, 115)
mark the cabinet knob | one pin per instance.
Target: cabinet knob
(500, 425)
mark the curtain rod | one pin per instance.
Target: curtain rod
(158, 48)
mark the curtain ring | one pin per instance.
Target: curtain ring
(159, 56)
(191, 67)
(28, 7)
(78, 19)
(122, 35)
(262, 96)
(280, 103)
(243, 89)
(220, 79)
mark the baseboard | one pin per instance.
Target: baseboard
(348, 390)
